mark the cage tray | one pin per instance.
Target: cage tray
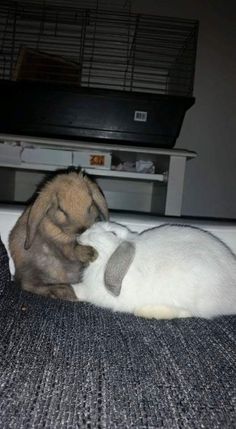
(63, 111)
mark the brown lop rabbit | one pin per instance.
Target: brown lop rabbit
(43, 242)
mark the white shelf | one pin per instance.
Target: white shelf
(92, 171)
(127, 175)
(147, 195)
(73, 144)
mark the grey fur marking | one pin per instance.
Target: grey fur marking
(117, 267)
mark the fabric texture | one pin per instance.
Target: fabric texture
(4, 268)
(71, 365)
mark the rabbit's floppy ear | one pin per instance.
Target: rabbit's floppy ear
(36, 214)
(117, 266)
(97, 197)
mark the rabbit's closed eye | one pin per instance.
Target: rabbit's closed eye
(61, 210)
(61, 215)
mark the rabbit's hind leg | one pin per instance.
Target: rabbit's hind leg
(62, 291)
(161, 312)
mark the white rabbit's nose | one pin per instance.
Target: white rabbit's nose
(113, 233)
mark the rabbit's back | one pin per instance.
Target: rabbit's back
(184, 243)
(182, 266)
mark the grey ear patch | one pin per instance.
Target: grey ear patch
(117, 267)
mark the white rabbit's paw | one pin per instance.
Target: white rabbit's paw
(161, 312)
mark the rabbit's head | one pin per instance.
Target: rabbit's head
(105, 236)
(71, 201)
(101, 237)
(116, 249)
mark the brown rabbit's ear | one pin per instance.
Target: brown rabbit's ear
(97, 197)
(117, 267)
(36, 214)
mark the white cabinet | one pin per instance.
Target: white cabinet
(160, 192)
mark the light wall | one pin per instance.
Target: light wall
(210, 126)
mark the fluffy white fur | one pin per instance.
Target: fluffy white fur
(177, 271)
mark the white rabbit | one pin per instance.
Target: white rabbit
(165, 272)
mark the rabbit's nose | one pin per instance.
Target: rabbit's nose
(81, 230)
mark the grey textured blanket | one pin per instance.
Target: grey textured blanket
(65, 365)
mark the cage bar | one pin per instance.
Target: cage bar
(97, 48)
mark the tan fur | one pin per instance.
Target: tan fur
(43, 242)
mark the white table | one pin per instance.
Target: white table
(172, 179)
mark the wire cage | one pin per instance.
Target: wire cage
(92, 73)
(98, 48)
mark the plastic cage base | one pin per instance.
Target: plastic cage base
(71, 112)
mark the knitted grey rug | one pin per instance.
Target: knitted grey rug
(69, 365)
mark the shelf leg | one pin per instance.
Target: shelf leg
(175, 186)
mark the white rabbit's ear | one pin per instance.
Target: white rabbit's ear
(117, 266)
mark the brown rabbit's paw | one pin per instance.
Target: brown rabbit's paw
(56, 291)
(63, 291)
(86, 253)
